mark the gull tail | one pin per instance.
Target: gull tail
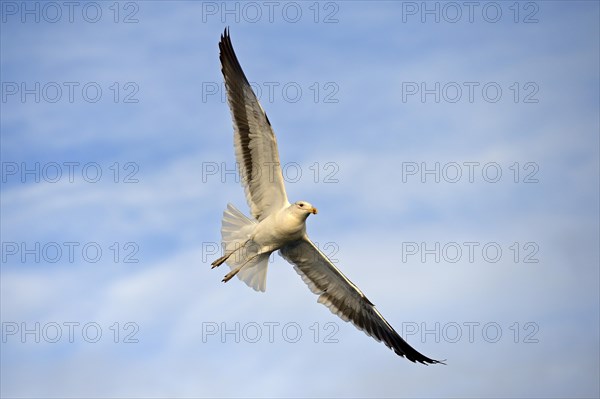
(241, 254)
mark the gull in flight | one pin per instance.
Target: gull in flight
(279, 225)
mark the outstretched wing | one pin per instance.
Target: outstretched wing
(344, 298)
(254, 140)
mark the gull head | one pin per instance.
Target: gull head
(303, 208)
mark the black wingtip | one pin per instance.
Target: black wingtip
(427, 361)
(225, 38)
(403, 349)
(225, 33)
(229, 61)
(420, 358)
(432, 361)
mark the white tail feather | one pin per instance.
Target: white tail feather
(235, 233)
(236, 229)
(254, 274)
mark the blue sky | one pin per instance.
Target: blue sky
(497, 273)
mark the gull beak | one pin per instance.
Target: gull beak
(314, 211)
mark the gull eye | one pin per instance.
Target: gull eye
(300, 205)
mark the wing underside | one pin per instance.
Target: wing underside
(344, 299)
(254, 139)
